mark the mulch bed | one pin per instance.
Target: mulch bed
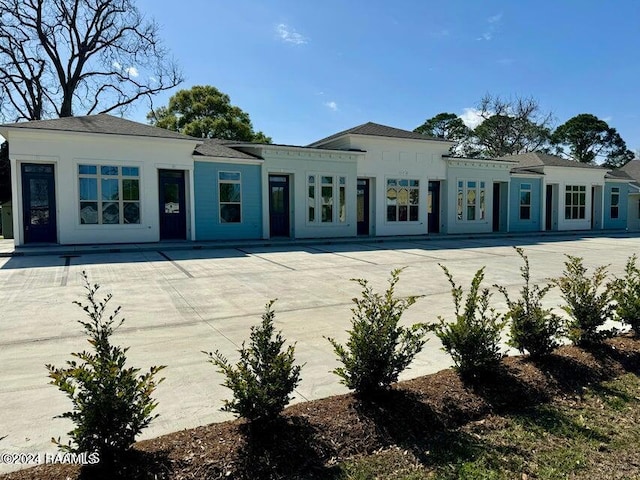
(313, 437)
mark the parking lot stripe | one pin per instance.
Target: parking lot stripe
(175, 264)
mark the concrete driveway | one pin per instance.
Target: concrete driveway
(180, 302)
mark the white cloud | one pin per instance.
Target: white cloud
(289, 35)
(471, 117)
(494, 22)
(331, 105)
(132, 71)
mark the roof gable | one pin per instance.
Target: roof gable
(632, 169)
(378, 130)
(215, 147)
(539, 159)
(101, 124)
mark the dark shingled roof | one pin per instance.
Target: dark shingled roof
(538, 159)
(215, 147)
(377, 130)
(101, 123)
(632, 169)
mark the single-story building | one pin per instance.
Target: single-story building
(104, 179)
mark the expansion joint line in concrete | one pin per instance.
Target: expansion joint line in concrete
(265, 259)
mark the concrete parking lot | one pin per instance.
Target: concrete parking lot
(180, 302)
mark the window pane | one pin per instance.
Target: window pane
(327, 195)
(582, 212)
(615, 199)
(88, 212)
(312, 179)
(391, 214)
(110, 213)
(110, 189)
(482, 205)
(88, 169)
(229, 176)
(130, 190)
(391, 196)
(130, 171)
(403, 211)
(230, 213)
(414, 196)
(312, 193)
(327, 180)
(614, 212)
(404, 183)
(392, 182)
(414, 183)
(171, 201)
(88, 189)
(525, 213)
(525, 198)
(230, 192)
(327, 213)
(403, 196)
(567, 213)
(413, 213)
(106, 170)
(312, 213)
(131, 212)
(471, 184)
(342, 212)
(471, 213)
(471, 197)
(343, 180)
(583, 199)
(460, 193)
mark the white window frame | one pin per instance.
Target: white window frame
(479, 204)
(525, 188)
(615, 192)
(315, 201)
(222, 181)
(98, 177)
(571, 207)
(412, 184)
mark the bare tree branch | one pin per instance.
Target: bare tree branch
(66, 57)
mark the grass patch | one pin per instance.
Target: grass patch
(592, 434)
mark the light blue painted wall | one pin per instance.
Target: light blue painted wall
(534, 224)
(620, 222)
(208, 225)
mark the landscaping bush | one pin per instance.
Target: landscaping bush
(626, 293)
(533, 329)
(473, 339)
(378, 349)
(265, 375)
(588, 301)
(112, 404)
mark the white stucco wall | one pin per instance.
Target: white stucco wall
(487, 171)
(563, 176)
(392, 158)
(298, 163)
(66, 150)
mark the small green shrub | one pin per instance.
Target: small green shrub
(473, 339)
(588, 301)
(533, 329)
(112, 404)
(378, 349)
(265, 375)
(626, 293)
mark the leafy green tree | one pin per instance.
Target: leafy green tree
(204, 111)
(264, 377)
(586, 138)
(378, 349)
(511, 126)
(444, 125)
(112, 404)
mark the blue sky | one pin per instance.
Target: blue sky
(304, 70)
